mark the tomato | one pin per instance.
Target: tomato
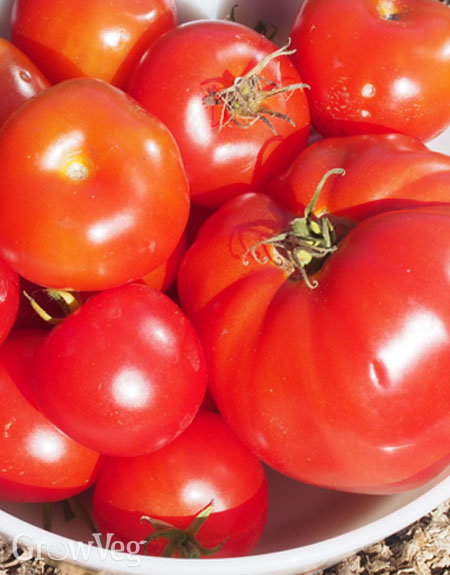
(19, 79)
(92, 196)
(125, 374)
(375, 65)
(224, 153)
(38, 461)
(163, 277)
(383, 171)
(333, 372)
(9, 299)
(205, 464)
(103, 39)
(16, 357)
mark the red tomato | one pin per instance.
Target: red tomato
(19, 79)
(344, 385)
(205, 464)
(103, 39)
(224, 155)
(38, 461)
(197, 217)
(164, 276)
(383, 172)
(9, 299)
(16, 356)
(125, 374)
(92, 196)
(375, 65)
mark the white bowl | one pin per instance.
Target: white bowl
(308, 528)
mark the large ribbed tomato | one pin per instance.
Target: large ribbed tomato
(333, 369)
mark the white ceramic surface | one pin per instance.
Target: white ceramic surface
(307, 528)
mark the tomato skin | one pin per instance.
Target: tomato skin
(164, 276)
(103, 39)
(124, 374)
(389, 69)
(39, 462)
(92, 197)
(16, 356)
(9, 299)
(206, 462)
(383, 172)
(344, 385)
(172, 83)
(19, 79)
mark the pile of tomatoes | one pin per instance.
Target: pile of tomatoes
(219, 253)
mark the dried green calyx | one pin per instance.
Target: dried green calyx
(182, 542)
(308, 239)
(243, 103)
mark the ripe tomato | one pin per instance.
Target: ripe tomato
(125, 374)
(344, 385)
(164, 276)
(103, 39)
(38, 461)
(375, 65)
(383, 172)
(9, 299)
(223, 154)
(19, 79)
(92, 196)
(205, 464)
(16, 356)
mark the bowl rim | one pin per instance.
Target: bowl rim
(303, 559)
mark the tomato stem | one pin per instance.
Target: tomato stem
(242, 103)
(79, 510)
(47, 516)
(70, 508)
(67, 300)
(183, 542)
(308, 239)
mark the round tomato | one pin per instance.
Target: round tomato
(205, 474)
(124, 374)
(103, 39)
(38, 461)
(234, 103)
(375, 65)
(383, 172)
(92, 196)
(9, 299)
(19, 79)
(333, 369)
(164, 276)
(16, 356)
